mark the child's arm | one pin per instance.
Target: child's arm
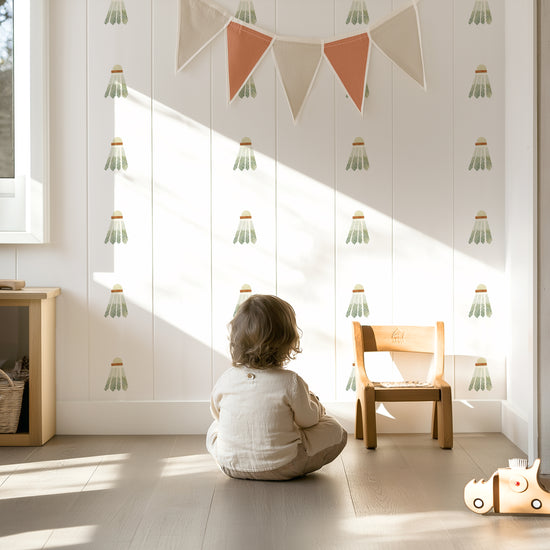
(307, 409)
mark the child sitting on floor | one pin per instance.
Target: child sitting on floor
(267, 424)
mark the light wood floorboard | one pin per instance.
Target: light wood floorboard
(165, 492)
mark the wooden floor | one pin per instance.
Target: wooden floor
(158, 492)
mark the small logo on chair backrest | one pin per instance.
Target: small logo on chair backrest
(398, 336)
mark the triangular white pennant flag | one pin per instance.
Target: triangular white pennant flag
(398, 37)
(297, 65)
(199, 23)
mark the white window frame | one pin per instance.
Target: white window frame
(24, 199)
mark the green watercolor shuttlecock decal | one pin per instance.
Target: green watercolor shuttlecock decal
(481, 159)
(117, 83)
(116, 160)
(249, 89)
(358, 233)
(358, 306)
(116, 380)
(358, 14)
(244, 294)
(245, 158)
(481, 306)
(117, 303)
(117, 230)
(481, 379)
(116, 14)
(367, 92)
(246, 12)
(351, 385)
(481, 87)
(245, 231)
(481, 233)
(481, 13)
(358, 159)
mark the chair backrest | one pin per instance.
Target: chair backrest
(418, 339)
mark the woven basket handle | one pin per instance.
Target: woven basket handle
(7, 378)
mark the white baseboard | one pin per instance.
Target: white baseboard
(193, 417)
(515, 426)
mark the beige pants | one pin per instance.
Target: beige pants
(304, 463)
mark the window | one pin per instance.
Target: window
(23, 121)
(7, 161)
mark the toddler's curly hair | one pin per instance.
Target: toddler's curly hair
(263, 333)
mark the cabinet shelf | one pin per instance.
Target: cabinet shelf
(40, 345)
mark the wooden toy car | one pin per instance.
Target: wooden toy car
(513, 490)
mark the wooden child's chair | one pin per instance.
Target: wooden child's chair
(407, 339)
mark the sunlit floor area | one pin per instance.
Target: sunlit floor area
(159, 492)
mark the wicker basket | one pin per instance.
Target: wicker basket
(11, 395)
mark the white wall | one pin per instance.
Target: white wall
(519, 420)
(543, 234)
(181, 201)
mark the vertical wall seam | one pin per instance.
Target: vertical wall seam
(334, 232)
(276, 173)
(87, 141)
(452, 65)
(211, 227)
(152, 174)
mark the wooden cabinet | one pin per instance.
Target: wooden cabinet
(27, 327)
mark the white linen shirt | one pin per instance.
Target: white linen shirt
(259, 413)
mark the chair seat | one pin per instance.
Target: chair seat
(416, 393)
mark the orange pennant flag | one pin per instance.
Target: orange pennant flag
(349, 58)
(245, 49)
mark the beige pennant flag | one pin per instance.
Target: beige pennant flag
(398, 37)
(297, 65)
(199, 23)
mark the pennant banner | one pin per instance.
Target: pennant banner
(297, 60)
(199, 24)
(398, 37)
(349, 58)
(297, 65)
(245, 49)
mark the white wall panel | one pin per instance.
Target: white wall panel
(235, 191)
(181, 217)
(128, 191)
(305, 205)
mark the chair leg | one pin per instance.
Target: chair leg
(369, 419)
(358, 420)
(434, 420)
(445, 419)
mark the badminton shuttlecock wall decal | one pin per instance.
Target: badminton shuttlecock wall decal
(244, 294)
(358, 159)
(351, 385)
(245, 232)
(117, 377)
(481, 380)
(481, 87)
(117, 156)
(249, 89)
(481, 13)
(117, 13)
(367, 92)
(117, 303)
(246, 12)
(481, 233)
(117, 230)
(358, 13)
(481, 307)
(358, 231)
(358, 304)
(245, 159)
(117, 83)
(481, 160)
